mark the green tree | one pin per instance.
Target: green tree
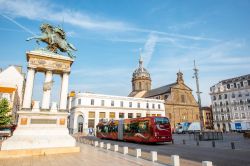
(5, 119)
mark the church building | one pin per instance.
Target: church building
(180, 104)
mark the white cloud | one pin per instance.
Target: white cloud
(19, 25)
(175, 35)
(47, 11)
(42, 10)
(149, 49)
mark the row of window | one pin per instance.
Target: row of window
(236, 116)
(242, 108)
(225, 96)
(241, 102)
(112, 104)
(223, 117)
(138, 127)
(238, 85)
(102, 115)
(241, 115)
(222, 110)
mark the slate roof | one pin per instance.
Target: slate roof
(160, 90)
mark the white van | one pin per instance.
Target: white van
(194, 127)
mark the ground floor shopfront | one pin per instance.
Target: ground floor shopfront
(88, 109)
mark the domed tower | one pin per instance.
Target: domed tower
(141, 80)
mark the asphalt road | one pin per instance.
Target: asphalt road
(219, 156)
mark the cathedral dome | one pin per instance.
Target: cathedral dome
(141, 81)
(141, 71)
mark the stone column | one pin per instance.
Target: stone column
(28, 88)
(64, 91)
(47, 90)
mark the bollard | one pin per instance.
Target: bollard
(115, 148)
(108, 146)
(138, 153)
(232, 145)
(101, 144)
(197, 143)
(95, 143)
(125, 150)
(153, 156)
(184, 142)
(213, 144)
(207, 163)
(172, 141)
(175, 160)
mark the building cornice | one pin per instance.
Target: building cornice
(101, 96)
(115, 108)
(230, 90)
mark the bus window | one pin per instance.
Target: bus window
(161, 120)
(134, 127)
(105, 129)
(127, 128)
(143, 126)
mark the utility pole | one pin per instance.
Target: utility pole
(198, 94)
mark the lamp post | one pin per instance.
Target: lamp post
(198, 94)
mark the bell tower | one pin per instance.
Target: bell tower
(180, 78)
(141, 80)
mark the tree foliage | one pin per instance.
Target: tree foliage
(5, 118)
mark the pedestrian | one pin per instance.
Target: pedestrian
(90, 131)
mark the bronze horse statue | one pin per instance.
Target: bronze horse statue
(55, 37)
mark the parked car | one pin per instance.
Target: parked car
(182, 128)
(240, 126)
(194, 127)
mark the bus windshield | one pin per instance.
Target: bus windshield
(161, 120)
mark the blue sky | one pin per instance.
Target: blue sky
(109, 34)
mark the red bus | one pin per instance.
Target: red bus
(143, 130)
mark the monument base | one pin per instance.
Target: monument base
(39, 137)
(39, 130)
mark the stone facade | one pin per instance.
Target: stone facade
(207, 117)
(180, 104)
(231, 103)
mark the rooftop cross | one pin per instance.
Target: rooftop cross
(140, 60)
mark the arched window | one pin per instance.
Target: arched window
(182, 98)
(140, 85)
(80, 121)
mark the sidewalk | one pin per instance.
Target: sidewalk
(88, 156)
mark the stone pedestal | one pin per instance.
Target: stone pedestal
(43, 127)
(40, 130)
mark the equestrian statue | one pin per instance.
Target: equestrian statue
(55, 37)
